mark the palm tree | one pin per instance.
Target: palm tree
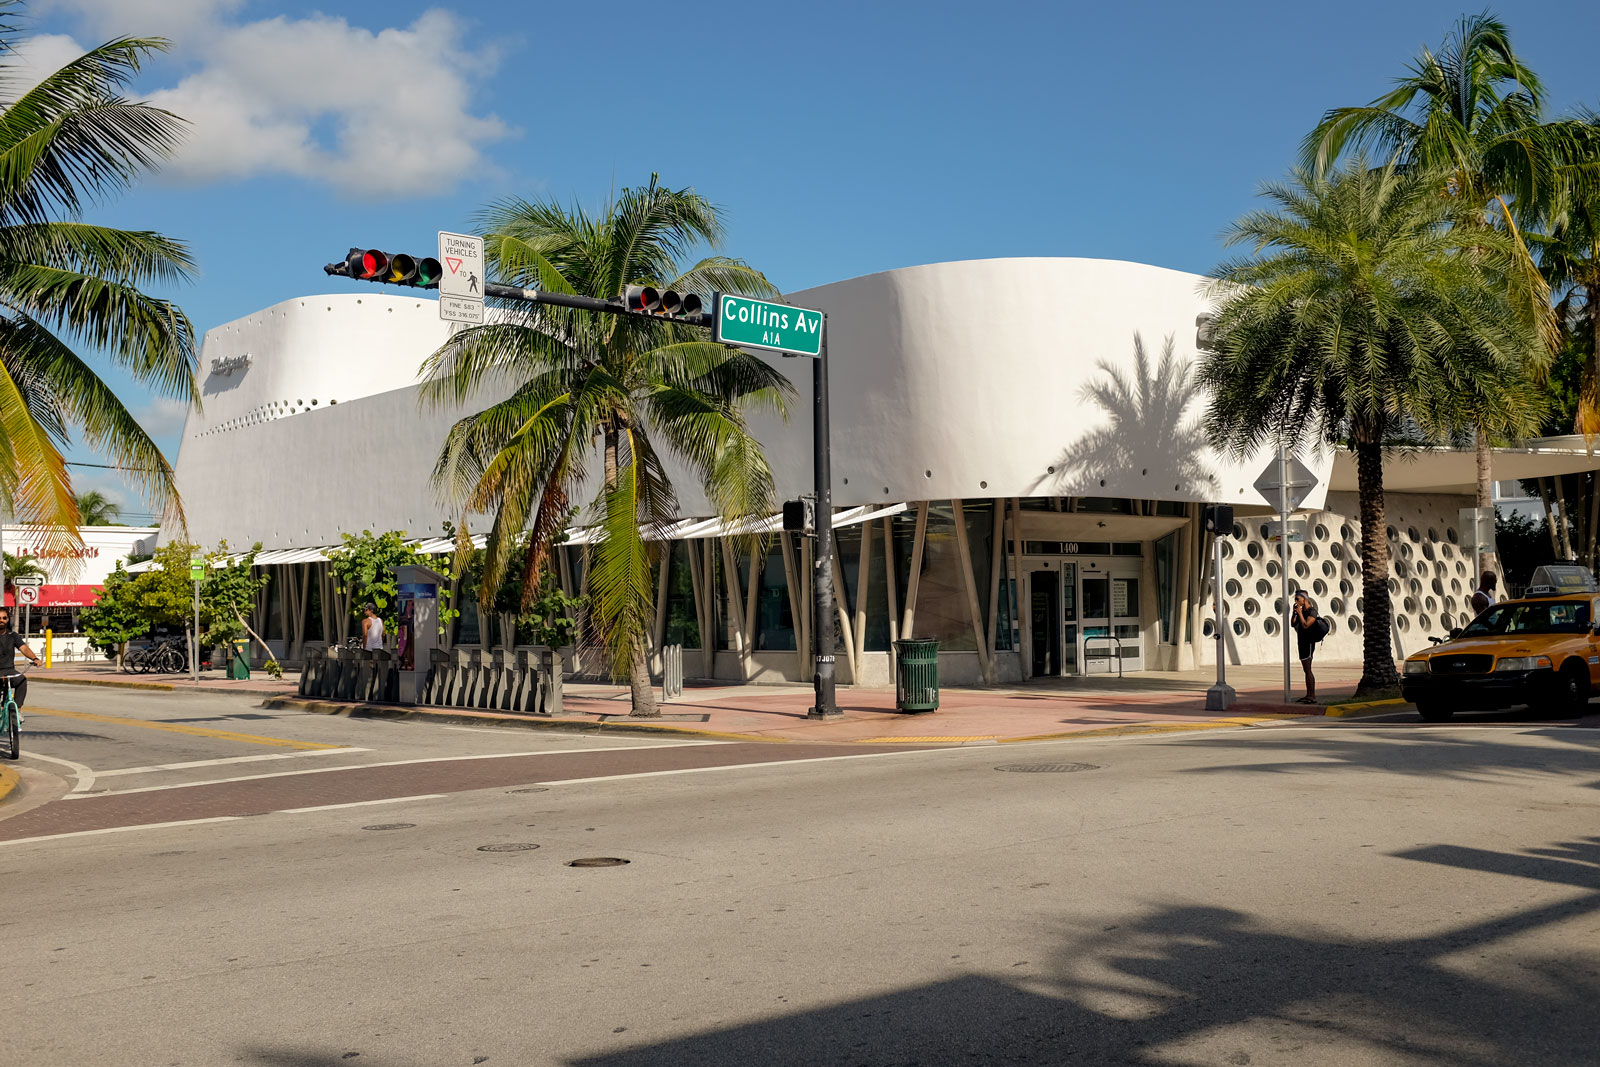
(68, 141)
(94, 509)
(1472, 115)
(584, 385)
(1363, 311)
(1570, 255)
(21, 567)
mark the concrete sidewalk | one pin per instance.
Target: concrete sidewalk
(1146, 703)
(107, 674)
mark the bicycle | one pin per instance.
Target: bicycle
(11, 720)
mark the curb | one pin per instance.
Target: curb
(9, 780)
(1360, 708)
(493, 718)
(166, 687)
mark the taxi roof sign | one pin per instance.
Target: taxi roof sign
(1559, 578)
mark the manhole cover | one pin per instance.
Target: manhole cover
(531, 789)
(511, 846)
(390, 826)
(1047, 768)
(599, 861)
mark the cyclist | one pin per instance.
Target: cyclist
(11, 643)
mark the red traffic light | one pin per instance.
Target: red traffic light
(371, 265)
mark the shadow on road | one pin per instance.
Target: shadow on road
(1203, 985)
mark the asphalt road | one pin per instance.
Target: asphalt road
(1322, 895)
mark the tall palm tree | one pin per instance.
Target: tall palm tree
(1472, 115)
(1569, 252)
(1362, 311)
(68, 141)
(585, 386)
(94, 509)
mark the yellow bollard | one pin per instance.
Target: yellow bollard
(48, 636)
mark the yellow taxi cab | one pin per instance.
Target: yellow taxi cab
(1542, 650)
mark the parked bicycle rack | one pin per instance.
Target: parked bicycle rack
(1102, 637)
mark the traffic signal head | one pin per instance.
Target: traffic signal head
(1219, 519)
(370, 266)
(408, 270)
(1204, 332)
(641, 298)
(797, 516)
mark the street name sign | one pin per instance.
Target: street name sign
(1301, 481)
(28, 581)
(197, 569)
(751, 323)
(461, 281)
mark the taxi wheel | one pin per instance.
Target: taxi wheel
(1432, 711)
(1572, 691)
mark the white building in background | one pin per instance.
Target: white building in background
(1022, 482)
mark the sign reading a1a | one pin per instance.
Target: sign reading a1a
(763, 324)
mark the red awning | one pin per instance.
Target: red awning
(60, 596)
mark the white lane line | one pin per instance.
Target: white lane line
(119, 829)
(84, 775)
(391, 763)
(359, 804)
(230, 759)
(747, 766)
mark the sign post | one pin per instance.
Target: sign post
(197, 571)
(1291, 482)
(750, 323)
(462, 280)
(1477, 530)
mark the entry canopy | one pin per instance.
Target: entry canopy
(1455, 470)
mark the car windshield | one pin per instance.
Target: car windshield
(1539, 617)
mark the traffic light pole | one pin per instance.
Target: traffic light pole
(822, 643)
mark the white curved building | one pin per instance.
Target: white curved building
(1017, 474)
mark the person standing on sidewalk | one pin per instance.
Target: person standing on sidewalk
(1310, 629)
(371, 628)
(1483, 599)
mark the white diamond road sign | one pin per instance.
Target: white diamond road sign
(1301, 481)
(461, 279)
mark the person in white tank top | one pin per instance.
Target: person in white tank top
(371, 628)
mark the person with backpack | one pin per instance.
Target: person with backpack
(1311, 628)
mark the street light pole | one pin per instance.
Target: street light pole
(822, 643)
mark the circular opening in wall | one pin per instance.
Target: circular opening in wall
(1269, 626)
(1333, 625)
(1402, 568)
(983, 485)
(1352, 567)
(1102, 483)
(1427, 551)
(1446, 552)
(1433, 535)
(1457, 587)
(1322, 532)
(1354, 623)
(1336, 550)
(1410, 603)
(1265, 531)
(1052, 470)
(1227, 549)
(1232, 587)
(1361, 605)
(1272, 568)
(1345, 587)
(1209, 629)
(1252, 607)
(1328, 569)
(1244, 568)
(1461, 567)
(1415, 586)
(929, 474)
(1336, 606)
(1405, 551)
(1277, 606)
(1423, 622)
(1450, 534)
(1394, 587)
(1403, 621)
(1411, 532)
(599, 861)
(1430, 605)
(1319, 587)
(1144, 472)
(1311, 551)
(1345, 533)
(1254, 549)
(846, 481)
(1263, 587)
(1394, 535)
(1302, 569)
(1438, 586)
(1241, 627)
(1239, 532)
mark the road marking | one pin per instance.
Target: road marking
(231, 759)
(193, 731)
(84, 775)
(120, 829)
(801, 762)
(390, 763)
(359, 804)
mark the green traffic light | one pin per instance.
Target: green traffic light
(428, 272)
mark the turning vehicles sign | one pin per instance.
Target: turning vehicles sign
(461, 281)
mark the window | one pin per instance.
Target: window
(1166, 583)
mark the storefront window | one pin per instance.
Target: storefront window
(683, 628)
(848, 541)
(1166, 577)
(941, 611)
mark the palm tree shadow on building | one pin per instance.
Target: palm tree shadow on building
(1148, 435)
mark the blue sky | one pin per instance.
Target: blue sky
(840, 138)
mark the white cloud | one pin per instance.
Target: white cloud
(374, 114)
(35, 57)
(162, 417)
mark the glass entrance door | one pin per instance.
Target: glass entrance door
(1044, 616)
(1098, 652)
(1069, 617)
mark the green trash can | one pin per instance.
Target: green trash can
(238, 665)
(916, 677)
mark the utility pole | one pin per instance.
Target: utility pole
(826, 707)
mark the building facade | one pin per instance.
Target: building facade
(1018, 476)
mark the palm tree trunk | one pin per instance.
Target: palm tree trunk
(643, 694)
(1564, 529)
(1377, 659)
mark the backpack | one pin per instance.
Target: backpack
(1318, 629)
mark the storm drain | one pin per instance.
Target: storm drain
(510, 846)
(1047, 768)
(390, 826)
(598, 861)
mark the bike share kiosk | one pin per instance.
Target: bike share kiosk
(417, 630)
